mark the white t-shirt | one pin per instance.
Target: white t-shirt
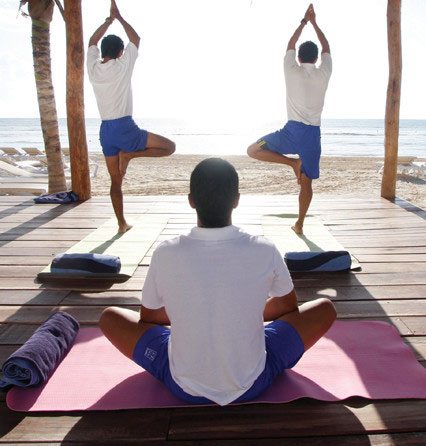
(112, 82)
(214, 283)
(306, 86)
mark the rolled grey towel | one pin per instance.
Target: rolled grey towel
(34, 361)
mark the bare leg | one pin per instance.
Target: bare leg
(305, 198)
(156, 146)
(116, 192)
(123, 328)
(256, 152)
(312, 320)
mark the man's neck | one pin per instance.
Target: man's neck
(201, 225)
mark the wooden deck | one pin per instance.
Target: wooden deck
(388, 239)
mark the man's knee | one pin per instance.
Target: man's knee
(253, 150)
(116, 182)
(107, 319)
(171, 148)
(327, 310)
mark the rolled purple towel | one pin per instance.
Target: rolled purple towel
(33, 362)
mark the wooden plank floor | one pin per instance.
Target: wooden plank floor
(389, 240)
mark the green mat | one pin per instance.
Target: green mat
(131, 247)
(316, 237)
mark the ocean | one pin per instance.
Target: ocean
(340, 137)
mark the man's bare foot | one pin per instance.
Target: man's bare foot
(297, 228)
(297, 169)
(124, 228)
(123, 161)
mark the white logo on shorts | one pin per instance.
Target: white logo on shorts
(150, 354)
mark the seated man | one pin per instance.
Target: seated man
(215, 287)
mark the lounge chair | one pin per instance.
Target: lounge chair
(408, 165)
(10, 151)
(32, 151)
(94, 167)
(15, 170)
(39, 160)
(21, 182)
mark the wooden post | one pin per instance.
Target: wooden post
(80, 174)
(392, 100)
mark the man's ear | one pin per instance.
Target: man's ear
(191, 201)
(236, 201)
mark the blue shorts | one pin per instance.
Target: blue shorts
(121, 134)
(284, 348)
(297, 138)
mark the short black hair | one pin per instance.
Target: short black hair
(308, 52)
(111, 46)
(214, 189)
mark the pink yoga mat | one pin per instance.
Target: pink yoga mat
(355, 358)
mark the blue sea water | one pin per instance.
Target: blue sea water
(340, 137)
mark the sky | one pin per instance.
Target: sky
(222, 60)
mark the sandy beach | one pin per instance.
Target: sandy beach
(340, 175)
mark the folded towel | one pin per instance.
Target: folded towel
(33, 362)
(318, 261)
(86, 263)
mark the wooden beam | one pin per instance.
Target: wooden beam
(392, 99)
(80, 174)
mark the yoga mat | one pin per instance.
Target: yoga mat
(131, 247)
(355, 358)
(315, 238)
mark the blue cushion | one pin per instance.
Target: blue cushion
(85, 263)
(318, 261)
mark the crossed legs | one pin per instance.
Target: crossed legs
(312, 320)
(117, 165)
(305, 195)
(123, 327)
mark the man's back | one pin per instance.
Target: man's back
(306, 86)
(112, 82)
(214, 284)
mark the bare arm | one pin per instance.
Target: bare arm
(131, 33)
(278, 306)
(158, 316)
(321, 37)
(98, 34)
(295, 37)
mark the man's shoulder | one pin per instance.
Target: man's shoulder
(93, 51)
(169, 244)
(258, 241)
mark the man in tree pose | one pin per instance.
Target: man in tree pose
(121, 139)
(306, 86)
(215, 287)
